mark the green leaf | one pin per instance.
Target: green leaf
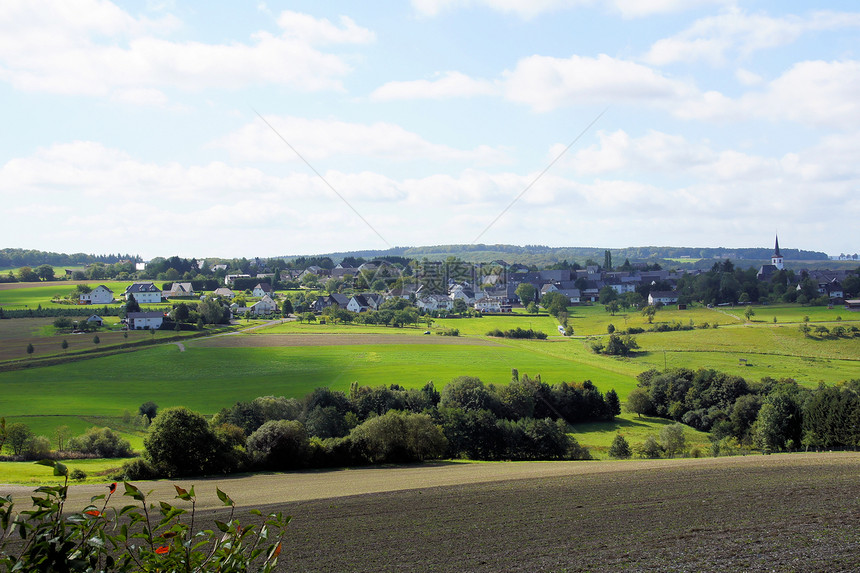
(224, 497)
(49, 463)
(222, 526)
(134, 492)
(60, 469)
(181, 493)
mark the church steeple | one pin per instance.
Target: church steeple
(777, 260)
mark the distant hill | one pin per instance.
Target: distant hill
(543, 255)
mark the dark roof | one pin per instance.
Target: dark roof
(151, 314)
(142, 287)
(663, 294)
(776, 247)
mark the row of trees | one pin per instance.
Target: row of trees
(770, 414)
(526, 419)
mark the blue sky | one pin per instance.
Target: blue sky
(134, 127)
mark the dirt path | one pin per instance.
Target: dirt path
(268, 488)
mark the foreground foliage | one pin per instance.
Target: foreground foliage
(137, 537)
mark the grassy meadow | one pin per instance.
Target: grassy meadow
(214, 373)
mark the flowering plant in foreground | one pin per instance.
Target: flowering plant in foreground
(135, 537)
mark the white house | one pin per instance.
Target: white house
(265, 306)
(663, 297)
(99, 295)
(467, 295)
(262, 289)
(492, 304)
(144, 293)
(179, 289)
(225, 292)
(430, 302)
(228, 280)
(358, 304)
(145, 320)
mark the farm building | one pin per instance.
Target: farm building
(99, 295)
(95, 320)
(145, 320)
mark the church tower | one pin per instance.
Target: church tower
(777, 260)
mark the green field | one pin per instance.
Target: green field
(207, 379)
(215, 373)
(97, 470)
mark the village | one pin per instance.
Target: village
(440, 289)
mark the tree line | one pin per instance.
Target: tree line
(524, 420)
(771, 415)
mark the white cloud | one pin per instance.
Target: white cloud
(642, 8)
(228, 211)
(446, 85)
(546, 83)
(527, 9)
(320, 139)
(748, 78)
(738, 34)
(314, 31)
(94, 48)
(814, 93)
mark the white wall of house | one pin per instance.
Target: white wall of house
(147, 297)
(99, 295)
(147, 323)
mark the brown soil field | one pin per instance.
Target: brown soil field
(251, 341)
(16, 333)
(796, 512)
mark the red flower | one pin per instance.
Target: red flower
(94, 513)
(112, 487)
(162, 550)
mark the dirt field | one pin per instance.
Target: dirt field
(758, 513)
(268, 340)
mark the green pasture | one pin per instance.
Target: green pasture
(593, 320)
(43, 294)
(598, 436)
(481, 326)
(793, 313)
(28, 473)
(207, 379)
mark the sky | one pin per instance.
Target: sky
(231, 129)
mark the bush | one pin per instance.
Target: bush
(137, 469)
(279, 445)
(620, 448)
(38, 447)
(649, 449)
(102, 442)
(153, 537)
(78, 474)
(398, 437)
(519, 333)
(180, 442)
